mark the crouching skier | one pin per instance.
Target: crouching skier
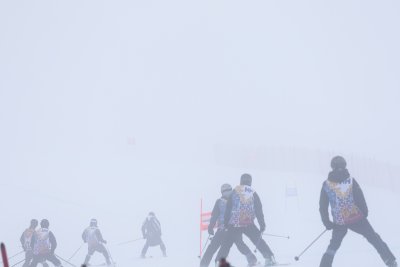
(44, 245)
(349, 211)
(217, 217)
(93, 237)
(151, 230)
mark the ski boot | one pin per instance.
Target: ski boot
(270, 261)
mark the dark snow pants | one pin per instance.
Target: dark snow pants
(235, 235)
(218, 239)
(99, 248)
(149, 244)
(46, 257)
(364, 228)
(28, 258)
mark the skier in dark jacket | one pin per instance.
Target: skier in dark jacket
(151, 230)
(217, 217)
(93, 237)
(243, 206)
(26, 239)
(349, 211)
(44, 244)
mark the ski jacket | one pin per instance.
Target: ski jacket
(44, 242)
(26, 239)
(345, 197)
(92, 236)
(151, 227)
(243, 206)
(218, 214)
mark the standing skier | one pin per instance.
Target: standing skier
(44, 245)
(349, 211)
(217, 217)
(243, 206)
(151, 230)
(93, 237)
(26, 239)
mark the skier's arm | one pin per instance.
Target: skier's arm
(100, 236)
(324, 208)
(84, 236)
(22, 240)
(228, 211)
(144, 228)
(214, 218)
(53, 242)
(359, 198)
(33, 240)
(259, 212)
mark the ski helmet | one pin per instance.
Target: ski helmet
(226, 189)
(338, 162)
(152, 214)
(246, 179)
(34, 223)
(93, 222)
(44, 223)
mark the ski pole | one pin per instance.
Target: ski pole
(205, 245)
(75, 252)
(312, 243)
(281, 236)
(65, 260)
(130, 241)
(15, 255)
(15, 264)
(4, 255)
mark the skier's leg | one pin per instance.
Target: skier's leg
(255, 236)
(214, 245)
(229, 238)
(163, 248)
(338, 234)
(101, 248)
(145, 248)
(28, 258)
(89, 255)
(245, 250)
(53, 259)
(35, 260)
(364, 228)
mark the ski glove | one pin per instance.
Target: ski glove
(329, 225)
(262, 228)
(105, 241)
(210, 231)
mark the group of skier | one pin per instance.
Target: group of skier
(235, 211)
(40, 244)
(233, 216)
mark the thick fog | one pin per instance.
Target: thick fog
(113, 109)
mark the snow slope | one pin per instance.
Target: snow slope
(297, 217)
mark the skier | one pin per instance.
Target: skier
(349, 211)
(243, 206)
(217, 217)
(44, 245)
(93, 237)
(151, 230)
(26, 239)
